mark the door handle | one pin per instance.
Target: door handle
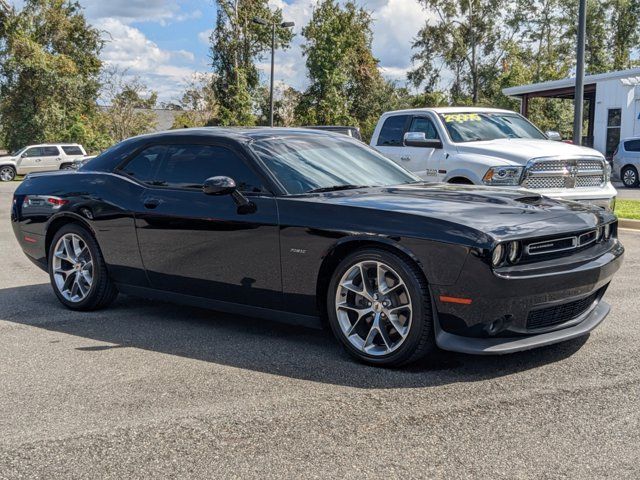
(151, 203)
(406, 158)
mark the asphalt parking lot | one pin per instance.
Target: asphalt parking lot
(154, 390)
(627, 193)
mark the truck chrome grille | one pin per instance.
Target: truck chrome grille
(545, 173)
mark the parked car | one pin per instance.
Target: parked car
(626, 162)
(41, 158)
(486, 146)
(348, 131)
(301, 225)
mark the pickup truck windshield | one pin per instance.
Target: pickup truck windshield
(306, 163)
(479, 126)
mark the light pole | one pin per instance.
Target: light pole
(578, 101)
(262, 21)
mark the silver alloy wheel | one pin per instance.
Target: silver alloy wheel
(7, 174)
(629, 177)
(373, 307)
(72, 267)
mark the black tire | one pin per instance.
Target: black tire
(629, 177)
(7, 173)
(102, 291)
(420, 339)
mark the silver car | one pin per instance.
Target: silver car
(626, 162)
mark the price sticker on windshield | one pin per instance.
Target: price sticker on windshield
(461, 117)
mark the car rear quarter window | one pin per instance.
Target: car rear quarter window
(143, 166)
(392, 131)
(50, 151)
(72, 150)
(632, 146)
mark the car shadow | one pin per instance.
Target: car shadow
(253, 344)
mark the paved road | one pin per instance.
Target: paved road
(627, 193)
(152, 390)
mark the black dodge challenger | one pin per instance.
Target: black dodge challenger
(305, 225)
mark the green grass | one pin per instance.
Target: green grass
(628, 209)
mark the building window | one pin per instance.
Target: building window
(614, 120)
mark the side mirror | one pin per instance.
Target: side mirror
(418, 139)
(555, 136)
(219, 186)
(24, 155)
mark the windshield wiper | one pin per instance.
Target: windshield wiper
(336, 188)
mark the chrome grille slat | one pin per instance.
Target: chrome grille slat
(544, 173)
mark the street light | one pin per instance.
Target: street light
(578, 98)
(262, 21)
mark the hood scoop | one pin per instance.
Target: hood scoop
(532, 199)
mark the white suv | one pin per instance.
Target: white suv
(487, 146)
(40, 158)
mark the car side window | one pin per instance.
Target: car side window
(143, 166)
(632, 146)
(392, 131)
(72, 150)
(33, 152)
(188, 166)
(424, 125)
(50, 151)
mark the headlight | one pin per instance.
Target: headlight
(607, 172)
(513, 252)
(503, 176)
(496, 258)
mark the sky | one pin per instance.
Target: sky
(164, 42)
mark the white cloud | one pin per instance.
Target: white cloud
(129, 49)
(204, 37)
(128, 11)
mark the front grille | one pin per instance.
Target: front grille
(564, 173)
(549, 316)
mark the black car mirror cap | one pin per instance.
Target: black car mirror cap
(219, 186)
(418, 139)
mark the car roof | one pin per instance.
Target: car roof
(238, 133)
(55, 145)
(449, 110)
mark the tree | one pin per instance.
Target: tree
(127, 112)
(346, 85)
(625, 19)
(236, 43)
(49, 73)
(285, 102)
(198, 105)
(465, 39)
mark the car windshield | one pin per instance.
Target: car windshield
(305, 163)
(479, 126)
(15, 153)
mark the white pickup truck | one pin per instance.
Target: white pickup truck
(487, 146)
(41, 158)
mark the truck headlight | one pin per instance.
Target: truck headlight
(503, 176)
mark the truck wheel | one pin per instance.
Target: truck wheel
(629, 177)
(7, 173)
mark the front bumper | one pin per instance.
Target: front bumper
(505, 305)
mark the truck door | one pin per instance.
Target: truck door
(425, 162)
(30, 161)
(390, 138)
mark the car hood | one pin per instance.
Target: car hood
(7, 158)
(501, 213)
(520, 150)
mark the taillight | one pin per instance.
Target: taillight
(57, 202)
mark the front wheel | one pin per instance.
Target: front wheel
(7, 173)
(379, 308)
(77, 270)
(629, 177)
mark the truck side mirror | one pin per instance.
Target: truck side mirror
(418, 139)
(553, 135)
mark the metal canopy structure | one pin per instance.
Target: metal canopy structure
(566, 89)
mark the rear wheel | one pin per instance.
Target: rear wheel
(629, 177)
(77, 270)
(7, 173)
(379, 308)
